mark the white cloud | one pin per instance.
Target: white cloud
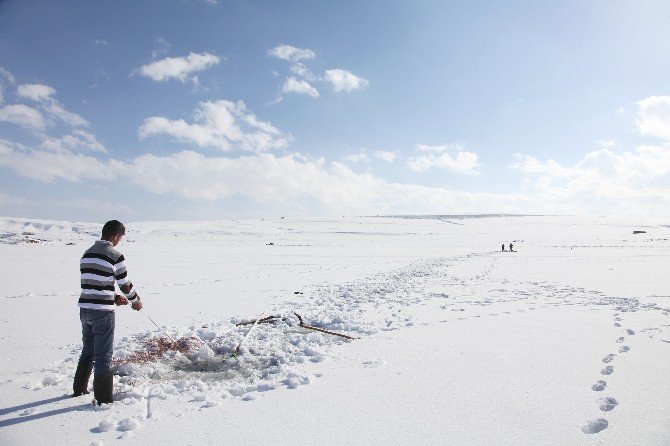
(163, 48)
(99, 76)
(440, 149)
(360, 157)
(293, 85)
(43, 94)
(387, 156)
(24, 116)
(55, 110)
(36, 92)
(437, 156)
(6, 74)
(531, 165)
(46, 166)
(224, 125)
(343, 80)
(339, 80)
(179, 67)
(291, 181)
(653, 116)
(275, 101)
(608, 143)
(100, 42)
(295, 183)
(603, 167)
(291, 53)
(302, 71)
(463, 162)
(602, 181)
(78, 141)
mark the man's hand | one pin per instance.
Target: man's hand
(137, 305)
(120, 300)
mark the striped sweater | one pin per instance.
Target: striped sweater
(101, 266)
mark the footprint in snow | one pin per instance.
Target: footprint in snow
(624, 349)
(620, 340)
(595, 426)
(607, 370)
(609, 358)
(373, 364)
(630, 332)
(616, 324)
(599, 386)
(607, 404)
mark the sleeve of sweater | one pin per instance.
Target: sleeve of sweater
(121, 276)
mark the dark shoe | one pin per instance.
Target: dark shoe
(103, 388)
(81, 376)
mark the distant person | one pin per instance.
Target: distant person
(503, 247)
(101, 266)
(511, 247)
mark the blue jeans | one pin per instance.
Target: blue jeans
(97, 334)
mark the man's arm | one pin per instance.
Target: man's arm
(126, 286)
(135, 302)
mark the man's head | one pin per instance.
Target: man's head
(113, 231)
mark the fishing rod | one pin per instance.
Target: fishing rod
(237, 349)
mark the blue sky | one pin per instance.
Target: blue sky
(196, 109)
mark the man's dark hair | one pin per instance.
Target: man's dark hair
(112, 228)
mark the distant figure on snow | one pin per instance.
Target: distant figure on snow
(503, 247)
(511, 247)
(101, 266)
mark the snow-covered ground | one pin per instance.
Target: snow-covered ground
(565, 342)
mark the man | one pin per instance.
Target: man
(101, 266)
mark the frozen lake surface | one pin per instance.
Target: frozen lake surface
(565, 341)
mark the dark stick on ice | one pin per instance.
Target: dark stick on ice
(309, 327)
(265, 320)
